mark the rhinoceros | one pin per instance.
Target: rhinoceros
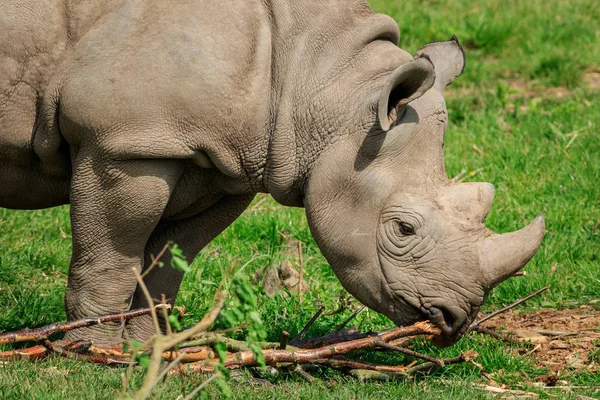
(160, 121)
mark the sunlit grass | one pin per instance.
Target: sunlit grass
(542, 153)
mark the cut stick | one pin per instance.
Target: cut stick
(308, 356)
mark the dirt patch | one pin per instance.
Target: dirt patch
(275, 277)
(521, 87)
(592, 79)
(562, 339)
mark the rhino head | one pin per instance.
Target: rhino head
(401, 237)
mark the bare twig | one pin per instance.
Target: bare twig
(429, 365)
(459, 175)
(258, 203)
(327, 350)
(497, 335)
(170, 366)
(408, 352)
(338, 362)
(301, 277)
(28, 354)
(97, 358)
(478, 150)
(469, 175)
(513, 305)
(166, 315)
(350, 318)
(44, 332)
(156, 260)
(233, 345)
(163, 343)
(300, 335)
(297, 369)
(149, 300)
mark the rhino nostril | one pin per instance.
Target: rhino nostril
(448, 318)
(445, 319)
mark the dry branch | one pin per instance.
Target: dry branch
(497, 335)
(310, 356)
(350, 318)
(67, 352)
(199, 356)
(408, 352)
(42, 333)
(300, 335)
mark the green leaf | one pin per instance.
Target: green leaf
(176, 251)
(255, 317)
(221, 368)
(223, 387)
(228, 319)
(239, 315)
(260, 357)
(180, 264)
(143, 360)
(174, 322)
(135, 345)
(178, 260)
(221, 350)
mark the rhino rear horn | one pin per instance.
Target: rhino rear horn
(448, 59)
(472, 200)
(407, 83)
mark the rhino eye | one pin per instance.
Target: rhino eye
(405, 229)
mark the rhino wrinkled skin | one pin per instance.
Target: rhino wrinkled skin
(160, 120)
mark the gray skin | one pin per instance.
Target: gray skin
(161, 120)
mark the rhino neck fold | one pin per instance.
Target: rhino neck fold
(329, 61)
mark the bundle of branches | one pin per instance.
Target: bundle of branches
(198, 351)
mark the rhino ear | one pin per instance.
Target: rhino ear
(407, 83)
(448, 59)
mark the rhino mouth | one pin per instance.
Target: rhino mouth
(454, 325)
(452, 322)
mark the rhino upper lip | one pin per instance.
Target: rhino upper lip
(444, 320)
(446, 337)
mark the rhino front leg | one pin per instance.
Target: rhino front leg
(191, 235)
(115, 207)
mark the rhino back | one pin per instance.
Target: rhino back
(33, 40)
(170, 80)
(32, 44)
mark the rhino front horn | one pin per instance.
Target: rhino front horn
(505, 254)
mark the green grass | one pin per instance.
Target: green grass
(542, 153)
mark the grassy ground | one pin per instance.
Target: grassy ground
(524, 116)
